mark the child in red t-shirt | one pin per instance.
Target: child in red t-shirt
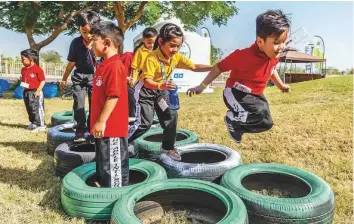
(109, 108)
(33, 80)
(251, 68)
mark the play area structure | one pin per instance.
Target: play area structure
(297, 66)
(292, 57)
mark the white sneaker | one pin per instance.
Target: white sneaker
(31, 126)
(39, 129)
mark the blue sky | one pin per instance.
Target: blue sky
(333, 21)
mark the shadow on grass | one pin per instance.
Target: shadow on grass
(13, 125)
(37, 180)
(27, 147)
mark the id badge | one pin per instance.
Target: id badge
(162, 104)
(24, 84)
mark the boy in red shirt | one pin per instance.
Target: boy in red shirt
(33, 80)
(109, 108)
(250, 70)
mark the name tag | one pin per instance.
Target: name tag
(24, 84)
(242, 88)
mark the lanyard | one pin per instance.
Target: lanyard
(93, 63)
(163, 73)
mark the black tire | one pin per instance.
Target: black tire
(60, 134)
(70, 155)
(309, 198)
(92, 203)
(204, 201)
(201, 161)
(63, 117)
(149, 144)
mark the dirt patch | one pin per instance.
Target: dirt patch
(273, 192)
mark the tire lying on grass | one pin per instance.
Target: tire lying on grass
(275, 193)
(70, 155)
(149, 144)
(201, 161)
(60, 134)
(199, 200)
(63, 117)
(91, 203)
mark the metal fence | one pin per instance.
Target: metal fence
(56, 71)
(13, 69)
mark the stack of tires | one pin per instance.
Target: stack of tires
(80, 198)
(209, 183)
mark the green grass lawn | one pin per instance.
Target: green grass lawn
(312, 130)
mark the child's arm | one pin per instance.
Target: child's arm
(39, 89)
(202, 68)
(100, 126)
(67, 72)
(213, 74)
(151, 84)
(277, 81)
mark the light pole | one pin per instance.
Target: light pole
(211, 44)
(323, 50)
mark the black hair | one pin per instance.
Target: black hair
(88, 17)
(109, 30)
(31, 54)
(271, 22)
(169, 31)
(137, 47)
(149, 32)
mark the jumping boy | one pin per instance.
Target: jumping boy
(33, 80)
(152, 89)
(109, 118)
(251, 68)
(82, 57)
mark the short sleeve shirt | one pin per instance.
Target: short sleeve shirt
(110, 80)
(250, 67)
(33, 75)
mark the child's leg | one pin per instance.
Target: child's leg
(79, 93)
(131, 101)
(89, 94)
(168, 120)
(112, 162)
(144, 112)
(251, 113)
(37, 108)
(26, 97)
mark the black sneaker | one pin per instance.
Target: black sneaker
(235, 134)
(79, 137)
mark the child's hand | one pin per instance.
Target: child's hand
(130, 81)
(196, 90)
(62, 85)
(37, 93)
(168, 85)
(285, 88)
(98, 129)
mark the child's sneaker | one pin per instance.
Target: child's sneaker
(173, 154)
(230, 123)
(39, 129)
(31, 126)
(79, 137)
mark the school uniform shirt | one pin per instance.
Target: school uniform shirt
(83, 57)
(140, 57)
(250, 67)
(33, 75)
(152, 67)
(110, 80)
(127, 59)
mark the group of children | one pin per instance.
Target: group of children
(146, 83)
